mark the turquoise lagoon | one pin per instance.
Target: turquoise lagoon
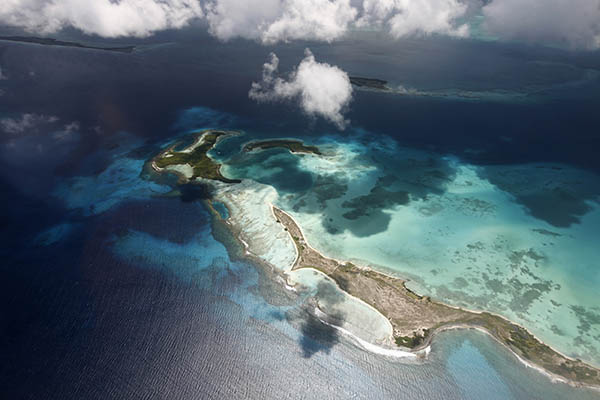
(517, 240)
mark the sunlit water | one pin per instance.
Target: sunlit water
(114, 286)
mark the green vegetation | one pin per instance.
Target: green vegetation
(295, 146)
(412, 341)
(202, 165)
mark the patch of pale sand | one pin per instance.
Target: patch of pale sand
(250, 213)
(184, 169)
(351, 314)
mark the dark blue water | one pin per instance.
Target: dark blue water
(111, 290)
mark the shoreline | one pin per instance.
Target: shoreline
(458, 308)
(461, 324)
(573, 372)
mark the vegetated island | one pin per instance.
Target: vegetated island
(416, 319)
(55, 42)
(294, 146)
(370, 83)
(193, 161)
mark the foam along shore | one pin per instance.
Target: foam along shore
(384, 351)
(416, 319)
(251, 220)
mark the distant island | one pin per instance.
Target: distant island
(55, 42)
(370, 83)
(415, 319)
(294, 146)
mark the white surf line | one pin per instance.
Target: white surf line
(366, 345)
(246, 245)
(290, 288)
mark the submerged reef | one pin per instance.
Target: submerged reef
(416, 319)
(194, 162)
(294, 146)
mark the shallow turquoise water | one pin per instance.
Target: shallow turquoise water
(482, 238)
(268, 323)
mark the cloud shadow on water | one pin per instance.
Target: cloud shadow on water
(320, 334)
(317, 336)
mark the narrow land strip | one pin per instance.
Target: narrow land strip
(416, 319)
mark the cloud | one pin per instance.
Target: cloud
(107, 18)
(416, 17)
(560, 22)
(67, 131)
(2, 76)
(25, 123)
(565, 22)
(272, 21)
(321, 89)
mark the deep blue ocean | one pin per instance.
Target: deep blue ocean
(110, 289)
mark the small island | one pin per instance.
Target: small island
(294, 146)
(55, 42)
(369, 83)
(416, 319)
(193, 161)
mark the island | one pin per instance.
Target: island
(193, 161)
(369, 83)
(416, 319)
(294, 146)
(55, 42)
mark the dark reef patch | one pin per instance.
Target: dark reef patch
(280, 169)
(328, 187)
(556, 195)
(377, 200)
(587, 317)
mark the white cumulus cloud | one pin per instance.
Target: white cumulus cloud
(321, 89)
(575, 23)
(416, 17)
(273, 21)
(107, 18)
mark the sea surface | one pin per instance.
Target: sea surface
(481, 187)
